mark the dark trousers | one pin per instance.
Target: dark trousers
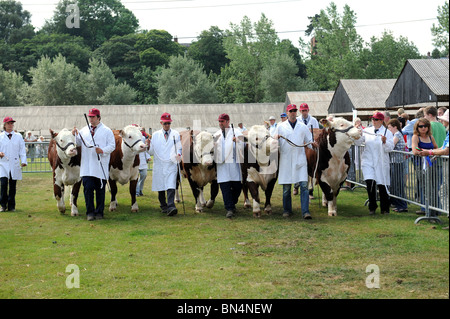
(8, 201)
(372, 192)
(230, 192)
(170, 199)
(91, 185)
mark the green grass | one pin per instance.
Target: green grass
(150, 255)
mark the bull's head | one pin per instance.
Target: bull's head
(204, 148)
(132, 138)
(65, 142)
(261, 144)
(346, 132)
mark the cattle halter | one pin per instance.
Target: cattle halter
(66, 147)
(131, 145)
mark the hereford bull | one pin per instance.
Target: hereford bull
(124, 163)
(331, 168)
(65, 158)
(260, 168)
(198, 166)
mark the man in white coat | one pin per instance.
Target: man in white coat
(165, 146)
(293, 164)
(97, 143)
(12, 158)
(228, 154)
(144, 158)
(375, 164)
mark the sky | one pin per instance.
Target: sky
(186, 19)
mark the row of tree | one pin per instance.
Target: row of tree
(108, 60)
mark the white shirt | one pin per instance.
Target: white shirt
(104, 139)
(310, 120)
(227, 156)
(165, 166)
(15, 154)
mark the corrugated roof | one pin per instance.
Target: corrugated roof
(435, 74)
(318, 101)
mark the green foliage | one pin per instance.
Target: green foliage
(387, 56)
(338, 48)
(100, 20)
(440, 32)
(120, 94)
(208, 50)
(146, 86)
(98, 79)
(185, 82)
(15, 23)
(11, 87)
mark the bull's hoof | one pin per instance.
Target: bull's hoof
(324, 204)
(199, 210)
(62, 210)
(331, 214)
(74, 211)
(177, 200)
(135, 208)
(257, 215)
(268, 210)
(247, 204)
(210, 204)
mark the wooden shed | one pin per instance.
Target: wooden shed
(318, 101)
(421, 81)
(360, 96)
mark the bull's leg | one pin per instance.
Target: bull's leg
(196, 193)
(214, 192)
(245, 191)
(201, 198)
(253, 187)
(134, 204)
(59, 196)
(177, 194)
(332, 207)
(269, 191)
(329, 196)
(74, 198)
(113, 203)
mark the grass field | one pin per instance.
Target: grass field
(150, 255)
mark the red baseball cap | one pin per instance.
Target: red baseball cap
(8, 119)
(94, 112)
(224, 117)
(304, 106)
(166, 118)
(291, 107)
(378, 116)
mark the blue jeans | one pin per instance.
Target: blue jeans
(304, 198)
(140, 183)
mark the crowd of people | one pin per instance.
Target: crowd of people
(426, 135)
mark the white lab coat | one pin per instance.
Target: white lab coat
(165, 166)
(375, 158)
(227, 156)
(104, 139)
(293, 164)
(15, 154)
(311, 120)
(273, 129)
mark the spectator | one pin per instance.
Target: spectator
(408, 130)
(165, 164)
(437, 128)
(144, 158)
(30, 138)
(283, 117)
(12, 158)
(400, 111)
(41, 148)
(387, 117)
(97, 143)
(379, 142)
(228, 151)
(242, 127)
(397, 167)
(272, 126)
(422, 140)
(441, 111)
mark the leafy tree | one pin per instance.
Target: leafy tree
(185, 82)
(98, 79)
(15, 23)
(100, 20)
(209, 51)
(387, 56)
(146, 86)
(56, 82)
(440, 32)
(120, 94)
(338, 48)
(11, 86)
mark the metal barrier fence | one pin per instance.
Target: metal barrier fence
(414, 179)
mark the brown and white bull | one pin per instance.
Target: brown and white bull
(124, 163)
(334, 160)
(198, 166)
(65, 157)
(260, 168)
